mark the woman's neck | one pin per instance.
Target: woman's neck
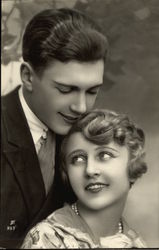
(102, 222)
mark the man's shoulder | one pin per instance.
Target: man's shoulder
(9, 104)
(9, 98)
(11, 93)
(13, 122)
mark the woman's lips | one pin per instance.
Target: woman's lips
(95, 187)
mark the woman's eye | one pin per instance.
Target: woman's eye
(104, 156)
(78, 160)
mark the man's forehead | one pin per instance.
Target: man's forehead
(76, 66)
(76, 73)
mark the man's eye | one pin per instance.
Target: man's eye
(93, 91)
(77, 160)
(65, 90)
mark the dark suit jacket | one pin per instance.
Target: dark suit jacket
(23, 199)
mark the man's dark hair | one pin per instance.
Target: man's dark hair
(64, 35)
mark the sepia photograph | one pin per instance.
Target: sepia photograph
(79, 124)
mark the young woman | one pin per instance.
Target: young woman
(102, 156)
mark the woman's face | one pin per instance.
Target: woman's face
(98, 174)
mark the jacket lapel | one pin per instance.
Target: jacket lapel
(56, 196)
(20, 152)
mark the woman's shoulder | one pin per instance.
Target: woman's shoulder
(127, 239)
(37, 236)
(57, 231)
(64, 216)
(133, 235)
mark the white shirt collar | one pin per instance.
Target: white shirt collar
(37, 128)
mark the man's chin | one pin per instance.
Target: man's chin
(61, 130)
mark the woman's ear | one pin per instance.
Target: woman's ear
(26, 72)
(131, 172)
(132, 181)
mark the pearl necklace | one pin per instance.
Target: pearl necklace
(75, 209)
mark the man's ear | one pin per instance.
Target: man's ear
(26, 72)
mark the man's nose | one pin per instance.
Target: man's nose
(80, 104)
(92, 168)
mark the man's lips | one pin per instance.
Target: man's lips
(96, 187)
(69, 118)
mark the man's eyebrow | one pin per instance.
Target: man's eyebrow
(63, 84)
(96, 86)
(75, 86)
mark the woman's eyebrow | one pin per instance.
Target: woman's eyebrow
(75, 152)
(106, 147)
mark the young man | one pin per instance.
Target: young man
(64, 53)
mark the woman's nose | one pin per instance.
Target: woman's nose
(80, 104)
(92, 169)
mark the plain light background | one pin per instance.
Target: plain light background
(131, 83)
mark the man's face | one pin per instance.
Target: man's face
(64, 92)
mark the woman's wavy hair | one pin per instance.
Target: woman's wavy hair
(104, 126)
